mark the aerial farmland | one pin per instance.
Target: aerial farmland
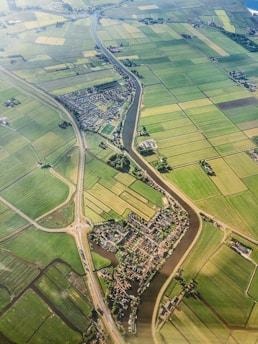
(128, 172)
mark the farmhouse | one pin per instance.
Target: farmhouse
(148, 144)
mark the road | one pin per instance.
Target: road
(81, 225)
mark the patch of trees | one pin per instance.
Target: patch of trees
(145, 151)
(67, 7)
(129, 63)
(120, 162)
(65, 125)
(135, 72)
(162, 165)
(139, 174)
(103, 145)
(143, 131)
(185, 36)
(255, 140)
(239, 38)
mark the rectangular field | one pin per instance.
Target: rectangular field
(198, 186)
(226, 180)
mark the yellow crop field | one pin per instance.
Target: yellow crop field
(204, 109)
(56, 67)
(93, 216)
(143, 208)
(48, 19)
(198, 60)
(242, 164)
(136, 195)
(31, 24)
(124, 178)
(117, 188)
(88, 199)
(251, 132)
(225, 20)
(226, 180)
(130, 57)
(160, 110)
(195, 103)
(110, 199)
(233, 96)
(117, 204)
(93, 207)
(50, 40)
(148, 7)
(220, 140)
(89, 53)
(132, 29)
(107, 22)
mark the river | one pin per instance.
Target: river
(144, 333)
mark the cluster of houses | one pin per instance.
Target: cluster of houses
(94, 107)
(148, 144)
(168, 307)
(142, 247)
(241, 78)
(253, 154)
(207, 168)
(240, 248)
(4, 122)
(12, 102)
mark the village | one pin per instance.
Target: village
(142, 248)
(94, 107)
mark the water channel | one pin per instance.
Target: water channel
(144, 333)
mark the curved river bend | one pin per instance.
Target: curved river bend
(144, 334)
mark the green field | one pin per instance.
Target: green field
(44, 247)
(198, 186)
(41, 191)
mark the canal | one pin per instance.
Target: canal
(146, 308)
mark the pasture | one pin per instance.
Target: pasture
(222, 282)
(66, 299)
(198, 186)
(226, 180)
(41, 247)
(16, 274)
(222, 210)
(25, 325)
(10, 221)
(246, 206)
(41, 193)
(253, 291)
